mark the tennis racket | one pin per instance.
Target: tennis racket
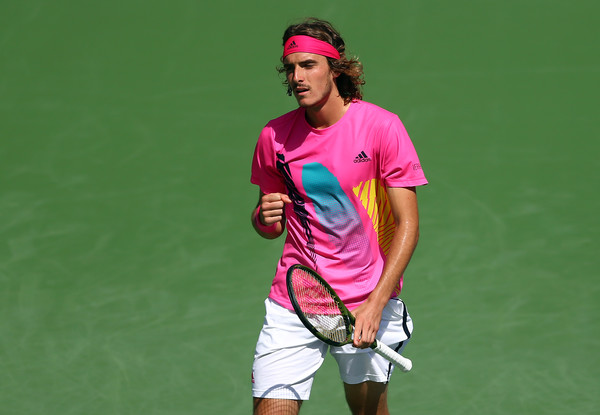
(325, 315)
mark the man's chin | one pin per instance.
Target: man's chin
(302, 102)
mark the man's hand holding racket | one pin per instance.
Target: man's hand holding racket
(366, 325)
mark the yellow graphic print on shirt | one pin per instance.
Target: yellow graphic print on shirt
(374, 199)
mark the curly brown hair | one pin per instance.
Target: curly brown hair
(350, 70)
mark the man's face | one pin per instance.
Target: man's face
(310, 78)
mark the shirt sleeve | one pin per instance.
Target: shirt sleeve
(400, 165)
(264, 165)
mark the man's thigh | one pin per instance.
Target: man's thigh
(367, 398)
(287, 356)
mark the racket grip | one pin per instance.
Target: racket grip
(401, 362)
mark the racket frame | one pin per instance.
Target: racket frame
(344, 312)
(380, 348)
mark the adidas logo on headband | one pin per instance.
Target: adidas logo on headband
(292, 45)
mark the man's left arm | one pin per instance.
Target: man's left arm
(404, 207)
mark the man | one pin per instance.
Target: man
(339, 175)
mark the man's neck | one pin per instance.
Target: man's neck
(326, 115)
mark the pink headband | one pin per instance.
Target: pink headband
(308, 44)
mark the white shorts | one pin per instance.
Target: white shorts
(288, 356)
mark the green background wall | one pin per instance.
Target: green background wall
(131, 281)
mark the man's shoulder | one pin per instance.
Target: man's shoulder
(278, 129)
(374, 113)
(284, 120)
(374, 109)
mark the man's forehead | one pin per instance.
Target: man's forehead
(302, 57)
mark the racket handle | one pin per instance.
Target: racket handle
(401, 362)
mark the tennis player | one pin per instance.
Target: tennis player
(338, 176)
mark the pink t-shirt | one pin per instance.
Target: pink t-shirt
(340, 222)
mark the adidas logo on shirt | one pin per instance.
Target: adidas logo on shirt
(362, 158)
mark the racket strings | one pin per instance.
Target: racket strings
(319, 306)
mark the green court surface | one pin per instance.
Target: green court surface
(131, 281)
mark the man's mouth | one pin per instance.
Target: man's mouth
(300, 90)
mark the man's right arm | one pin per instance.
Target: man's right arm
(268, 218)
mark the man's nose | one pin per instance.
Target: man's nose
(298, 74)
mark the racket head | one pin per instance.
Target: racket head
(318, 306)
